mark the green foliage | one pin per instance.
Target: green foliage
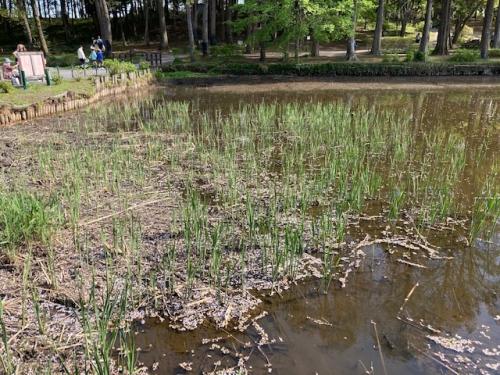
(117, 66)
(413, 55)
(340, 69)
(465, 55)
(64, 59)
(391, 58)
(494, 52)
(410, 55)
(226, 50)
(144, 65)
(26, 217)
(6, 87)
(57, 79)
(285, 21)
(420, 56)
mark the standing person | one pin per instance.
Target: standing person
(93, 55)
(19, 48)
(99, 57)
(81, 56)
(100, 43)
(107, 50)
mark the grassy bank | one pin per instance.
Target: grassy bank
(38, 92)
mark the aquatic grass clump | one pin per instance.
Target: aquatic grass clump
(26, 217)
(6, 359)
(486, 211)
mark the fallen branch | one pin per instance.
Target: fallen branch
(410, 263)
(117, 213)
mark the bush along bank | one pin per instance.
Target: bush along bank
(339, 69)
(104, 86)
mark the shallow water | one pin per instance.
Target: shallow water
(333, 333)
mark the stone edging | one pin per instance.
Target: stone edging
(104, 86)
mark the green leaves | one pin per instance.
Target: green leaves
(285, 21)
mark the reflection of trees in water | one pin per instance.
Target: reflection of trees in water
(449, 297)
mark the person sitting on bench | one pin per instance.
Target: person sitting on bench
(8, 69)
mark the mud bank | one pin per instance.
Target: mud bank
(252, 84)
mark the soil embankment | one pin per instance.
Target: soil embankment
(245, 84)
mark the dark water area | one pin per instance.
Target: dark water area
(334, 333)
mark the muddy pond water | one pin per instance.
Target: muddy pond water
(367, 326)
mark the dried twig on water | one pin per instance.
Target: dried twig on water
(379, 347)
(410, 263)
(434, 359)
(407, 298)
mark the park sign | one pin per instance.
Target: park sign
(32, 64)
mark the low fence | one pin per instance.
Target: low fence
(155, 58)
(104, 86)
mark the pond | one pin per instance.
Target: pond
(290, 228)
(312, 332)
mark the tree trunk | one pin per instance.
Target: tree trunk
(146, 22)
(163, 25)
(314, 46)
(262, 52)
(229, 18)
(222, 21)
(377, 36)
(195, 21)
(351, 42)
(38, 23)
(486, 34)
(424, 42)
(189, 19)
(444, 29)
(404, 21)
(22, 13)
(248, 45)
(102, 12)
(204, 46)
(65, 18)
(122, 32)
(496, 36)
(213, 22)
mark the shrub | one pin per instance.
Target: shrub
(57, 79)
(65, 59)
(144, 65)
(117, 66)
(419, 56)
(26, 218)
(391, 58)
(472, 44)
(494, 52)
(226, 50)
(465, 55)
(410, 55)
(339, 69)
(6, 87)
